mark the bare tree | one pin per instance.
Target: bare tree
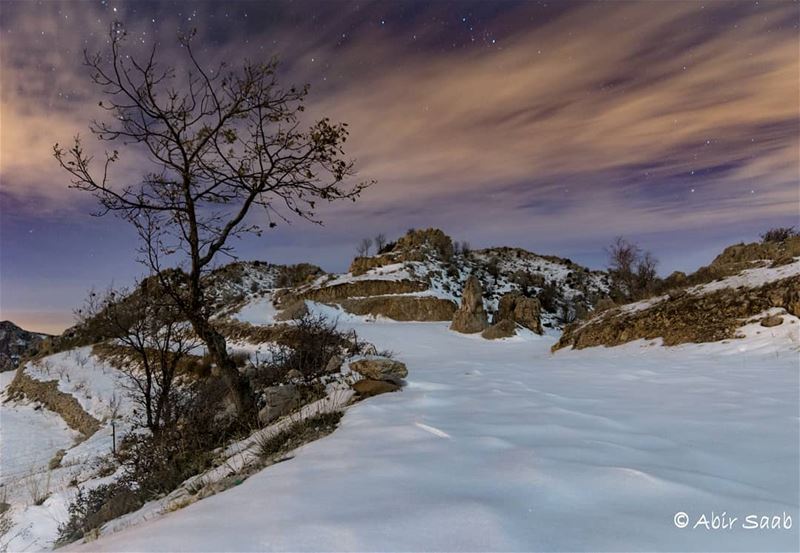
(380, 242)
(224, 145)
(779, 234)
(633, 272)
(646, 275)
(364, 247)
(155, 336)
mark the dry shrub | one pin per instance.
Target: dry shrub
(779, 234)
(298, 433)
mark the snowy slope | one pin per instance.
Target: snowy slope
(499, 445)
(30, 436)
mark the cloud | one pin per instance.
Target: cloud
(609, 114)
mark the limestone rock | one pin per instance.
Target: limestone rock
(334, 364)
(402, 308)
(380, 368)
(471, 316)
(361, 265)
(521, 310)
(280, 400)
(368, 387)
(502, 329)
(690, 317)
(771, 321)
(355, 289)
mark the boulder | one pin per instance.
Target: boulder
(334, 364)
(380, 368)
(293, 310)
(368, 387)
(471, 316)
(771, 321)
(502, 329)
(280, 401)
(295, 375)
(521, 310)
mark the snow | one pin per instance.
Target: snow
(99, 387)
(505, 446)
(29, 437)
(259, 311)
(750, 278)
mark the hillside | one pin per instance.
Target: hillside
(421, 277)
(491, 444)
(483, 444)
(752, 283)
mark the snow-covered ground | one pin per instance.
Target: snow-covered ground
(501, 445)
(30, 436)
(259, 311)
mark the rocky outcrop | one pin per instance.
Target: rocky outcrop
(361, 265)
(471, 316)
(501, 329)
(48, 394)
(354, 289)
(518, 309)
(280, 401)
(769, 322)
(367, 387)
(16, 343)
(738, 257)
(417, 243)
(402, 308)
(686, 317)
(380, 368)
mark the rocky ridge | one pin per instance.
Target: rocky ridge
(705, 312)
(16, 343)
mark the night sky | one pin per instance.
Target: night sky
(551, 126)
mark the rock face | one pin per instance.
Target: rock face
(357, 289)
(685, 318)
(471, 316)
(402, 308)
(518, 309)
(281, 400)
(414, 245)
(48, 394)
(738, 257)
(502, 329)
(368, 387)
(769, 322)
(380, 368)
(14, 343)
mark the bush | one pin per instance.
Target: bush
(779, 234)
(550, 297)
(156, 464)
(91, 509)
(308, 349)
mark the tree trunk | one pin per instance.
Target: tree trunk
(238, 385)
